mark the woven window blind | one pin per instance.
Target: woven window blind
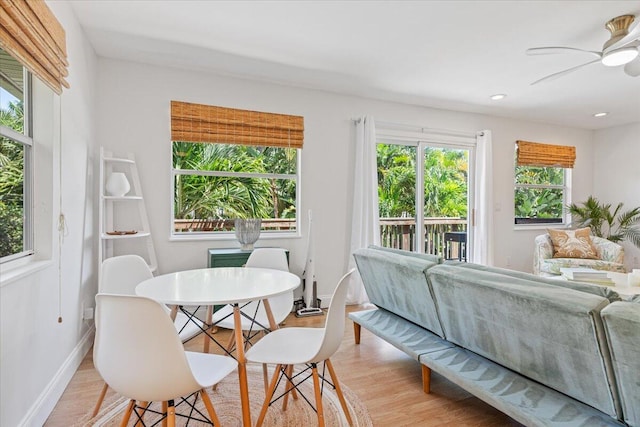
(545, 155)
(207, 123)
(31, 33)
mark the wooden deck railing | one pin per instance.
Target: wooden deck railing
(398, 233)
(200, 225)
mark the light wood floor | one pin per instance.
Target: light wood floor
(386, 380)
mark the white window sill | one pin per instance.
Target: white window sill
(17, 270)
(521, 227)
(229, 236)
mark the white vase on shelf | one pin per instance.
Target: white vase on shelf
(117, 184)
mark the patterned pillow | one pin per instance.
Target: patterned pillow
(573, 243)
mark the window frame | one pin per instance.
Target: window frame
(26, 140)
(230, 235)
(419, 140)
(532, 223)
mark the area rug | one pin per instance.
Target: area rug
(226, 401)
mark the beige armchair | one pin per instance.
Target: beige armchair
(611, 257)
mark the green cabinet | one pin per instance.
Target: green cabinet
(229, 257)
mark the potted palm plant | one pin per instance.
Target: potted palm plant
(614, 224)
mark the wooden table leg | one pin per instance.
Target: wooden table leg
(242, 367)
(267, 308)
(174, 312)
(209, 329)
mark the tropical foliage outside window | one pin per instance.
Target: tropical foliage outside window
(217, 183)
(445, 181)
(540, 194)
(15, 146)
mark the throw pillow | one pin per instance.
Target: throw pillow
(573, 243)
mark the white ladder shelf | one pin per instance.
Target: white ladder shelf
(124, 213)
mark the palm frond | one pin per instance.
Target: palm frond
(632, 234)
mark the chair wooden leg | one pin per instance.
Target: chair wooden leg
(356, 332)
(336, 384)
(265, 376)
(100, 400)
(294, 391)
(231, 342)
(127, 413)
(316, 388)
(269, 395)
(164, 411)
(171, 415)
(288, 370)
(426, 379)
(141, 412)
(209, 406)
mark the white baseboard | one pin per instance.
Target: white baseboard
(44, 404)
(325, 300)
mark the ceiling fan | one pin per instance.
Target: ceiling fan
(620, 49)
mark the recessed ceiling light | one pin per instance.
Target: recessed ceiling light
(604, 113)
(498, 96)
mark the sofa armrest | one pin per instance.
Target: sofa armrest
(608, 250)
(543, 250)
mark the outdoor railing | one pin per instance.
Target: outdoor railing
(202, 225)
(398, 233)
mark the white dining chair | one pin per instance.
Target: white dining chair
(151, 365)
(254, 319)
(287, 347)
(120, 275)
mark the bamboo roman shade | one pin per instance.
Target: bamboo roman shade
(545, 155)
(207, 123)
(31, 33)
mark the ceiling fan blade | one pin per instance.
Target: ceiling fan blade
(632, 35)
(562, 73)
(633, 68)
(553, 50)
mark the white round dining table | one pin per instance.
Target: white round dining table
(213, 286)
(216, 286)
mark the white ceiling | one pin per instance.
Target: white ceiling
(443, 54)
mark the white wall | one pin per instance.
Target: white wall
(616, 174)
(39, 355)
(133, 107)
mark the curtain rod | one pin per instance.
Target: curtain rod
(422, 129)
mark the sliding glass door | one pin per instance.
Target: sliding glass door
(424, 196)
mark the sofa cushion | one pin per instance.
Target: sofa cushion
(396, 282)
(550, 334)
(622, 327)
(523, 399)
(573, 243)
(603, 291)
(553, 265)
(404, 335)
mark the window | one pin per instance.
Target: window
(542, 177)
(15, 160)
(421, 183)
(230, 164)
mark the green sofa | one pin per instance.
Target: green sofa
(545, 352)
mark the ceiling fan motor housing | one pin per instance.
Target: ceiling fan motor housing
(618, 27)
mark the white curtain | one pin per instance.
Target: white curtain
(365, 224)
(482, 249)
